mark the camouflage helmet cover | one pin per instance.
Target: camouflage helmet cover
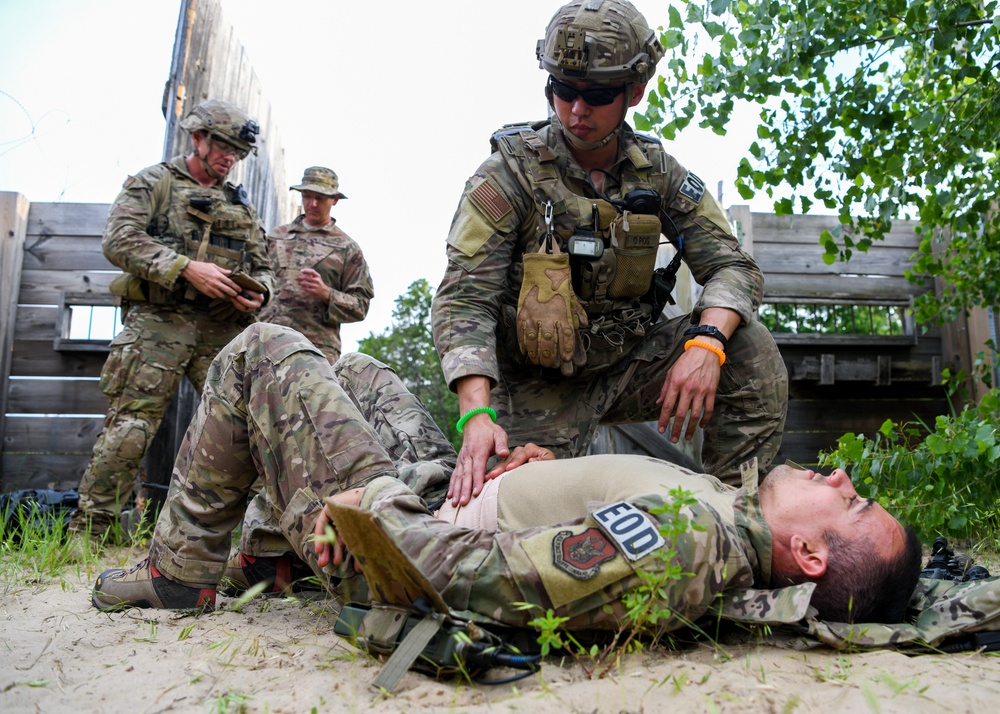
(227, 121)
(601, 41)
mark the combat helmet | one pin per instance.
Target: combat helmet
(604, 42)
(226, 121)
(600, 41)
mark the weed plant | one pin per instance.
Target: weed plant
(943, 479)
(36, 548)
(647, 606)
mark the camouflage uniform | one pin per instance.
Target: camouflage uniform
(170, 329)
(339, 260)
(575, 567)
(501, 218)
(273, 408)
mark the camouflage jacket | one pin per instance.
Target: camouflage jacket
(153, 233)
(578, 567)
(945, 616)
(501, 216)
(339, 261)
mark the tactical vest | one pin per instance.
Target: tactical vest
(204, 224)
(614, 289)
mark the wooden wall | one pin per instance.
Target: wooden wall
(209, 62)
(54, 406)
(59, 245)
(835, 386)
(848, 383)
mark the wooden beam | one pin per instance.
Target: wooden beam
(883, 375)
(827, 369)
(13, 229)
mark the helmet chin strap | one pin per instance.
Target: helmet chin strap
(204, 161)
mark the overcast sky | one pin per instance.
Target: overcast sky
(398, 97)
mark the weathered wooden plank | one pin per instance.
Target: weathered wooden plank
(36, 323)
(65, 253)
(846, 287)
(14, 210)
(827, 342)
(67, 219)
(59, 471)
(804, 447)
(53, 435)
(774, 259)
(56, 396)
(805, 229)
(42, 287)
(36, 358)
(858, 369)
(859, 415)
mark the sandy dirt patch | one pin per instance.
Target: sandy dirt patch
(59, 654)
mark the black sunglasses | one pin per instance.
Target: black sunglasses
(600, 97)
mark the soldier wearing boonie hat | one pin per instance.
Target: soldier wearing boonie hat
(322, 278)
(319, 179)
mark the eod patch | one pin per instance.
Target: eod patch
(630, 528)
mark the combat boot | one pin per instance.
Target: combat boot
(143, 585)
(278, 573)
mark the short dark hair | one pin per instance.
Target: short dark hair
(859, 586)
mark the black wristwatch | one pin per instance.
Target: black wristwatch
(709, 330)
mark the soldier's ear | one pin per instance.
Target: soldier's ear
(809, 555)
(638, 92)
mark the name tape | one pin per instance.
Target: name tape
(630, 528)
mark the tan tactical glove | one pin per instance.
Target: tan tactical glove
(549, 315)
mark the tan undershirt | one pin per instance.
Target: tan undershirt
(546, 492)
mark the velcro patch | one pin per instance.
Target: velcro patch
(630, 528)
(490, 201)
(581, 554)
(559, 584)
(692, 188)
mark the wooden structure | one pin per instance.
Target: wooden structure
(54, 408)
(841, 383)
(51, 258)
(53, 403)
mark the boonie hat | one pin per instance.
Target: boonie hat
(319, 179)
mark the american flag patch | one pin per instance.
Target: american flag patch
(491, 202)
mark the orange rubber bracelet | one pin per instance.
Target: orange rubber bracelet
(705, 346)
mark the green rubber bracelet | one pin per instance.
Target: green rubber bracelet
(460, 424)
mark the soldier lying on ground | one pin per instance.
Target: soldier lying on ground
(274, 408)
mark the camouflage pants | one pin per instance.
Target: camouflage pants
(562, 414)
(273, 409)
(156, 348)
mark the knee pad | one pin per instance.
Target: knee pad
(128, 438)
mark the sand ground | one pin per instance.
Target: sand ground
(59, 654)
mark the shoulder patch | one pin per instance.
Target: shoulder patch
(692, 188)
(490, 201)
(630, 529)
(580, 555)
(648, 138)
